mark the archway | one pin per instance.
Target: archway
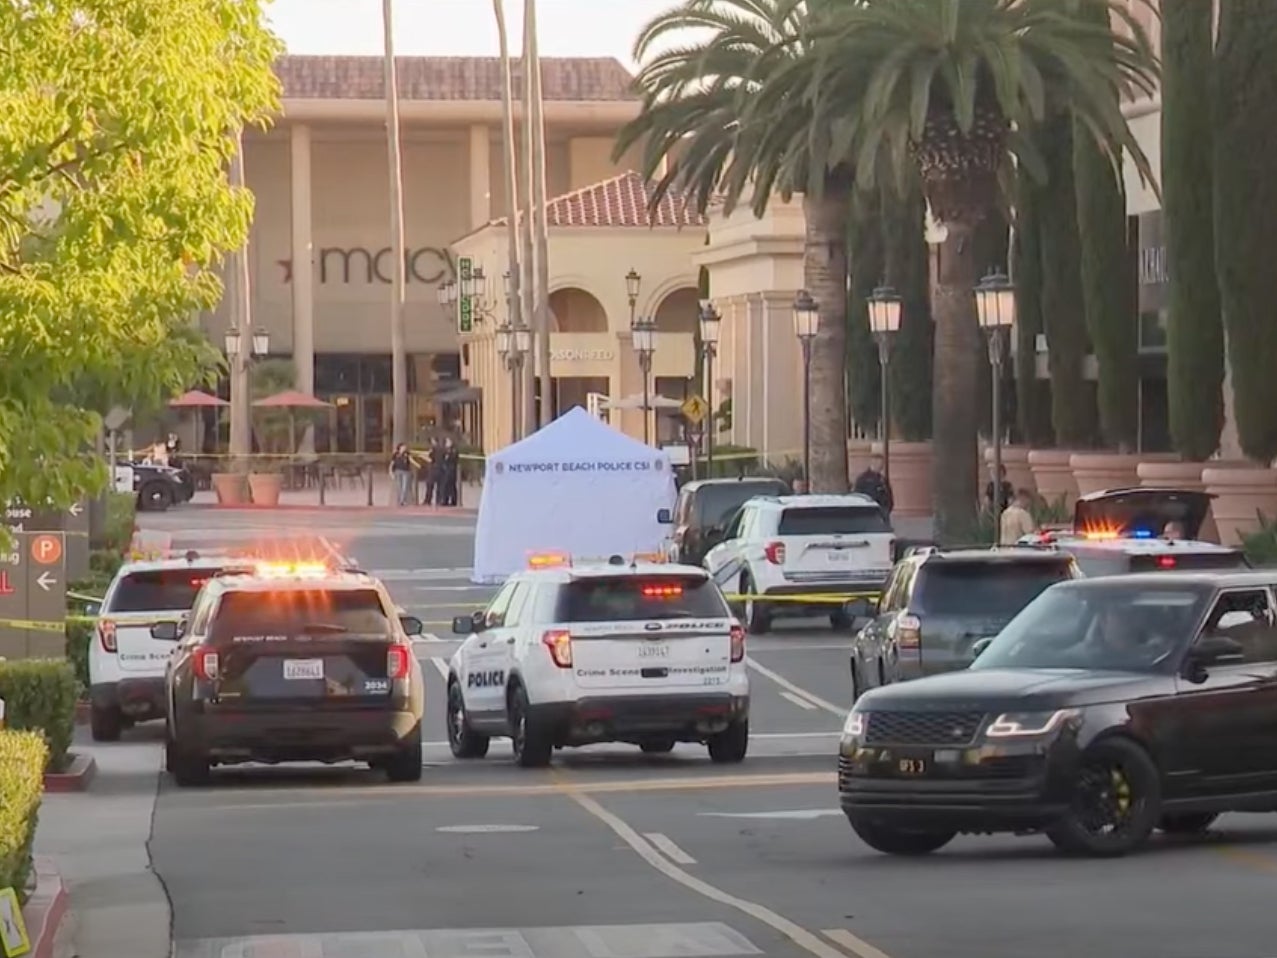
(576, 311)
(679, 311)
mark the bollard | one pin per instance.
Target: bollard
(370, 477)
(321, 486)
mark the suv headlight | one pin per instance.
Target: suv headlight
(855, 725)
(1028, 724)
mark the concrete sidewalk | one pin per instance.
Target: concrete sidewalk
(351, 494)
(98, 840)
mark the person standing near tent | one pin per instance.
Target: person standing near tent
(430, 472)
(401, 471)
(450, 466)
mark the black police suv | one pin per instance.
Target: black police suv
(160, 487)
(704, 508)
(1107, 708)
(280, 667)
(938, 604)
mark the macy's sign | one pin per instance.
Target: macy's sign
(359, 265)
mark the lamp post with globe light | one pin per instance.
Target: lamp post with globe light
(711, 327)
(884, 322)
(995, 307)
(806, 320)
(240, 362)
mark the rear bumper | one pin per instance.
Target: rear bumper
(296, 734)
(684, 717)
(139, 698)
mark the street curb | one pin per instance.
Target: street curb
(389, 510)
(46, 910)
(76, 779)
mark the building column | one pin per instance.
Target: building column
(480, 176)
(303, 262)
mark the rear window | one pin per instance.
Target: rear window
(992, 589)
(292, 612)
(629, 598)
(833, 520)
(169, 590)
(715, 503)
(1198, 560)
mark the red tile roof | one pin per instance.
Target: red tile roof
(577, 79)
(620, 202)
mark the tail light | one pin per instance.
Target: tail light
(205, 664)
(560, 645)
(738, 643)
(908, 632)
(398, 661)
(1166, 562)
(775, 553)
(106, 635)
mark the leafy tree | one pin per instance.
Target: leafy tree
(1032, 395)
(946, 88)
(903, 223)
(1194, 330)
(1245, 123)
(864, 371)
(120, 118)
(728, 113)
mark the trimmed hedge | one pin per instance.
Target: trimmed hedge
(79, 635)
(40, 695)
(23, 757)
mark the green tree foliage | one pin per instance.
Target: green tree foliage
(864, 373)
(906, 270)
(1063, 311)
(1195, 332)
(1032, 395)
(119, 119)
(1245, 123)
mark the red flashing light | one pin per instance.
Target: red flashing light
(206, 664)
(398, 661)
(775, 553)
(559, 643)
(662, 591)
(1166, 562)
(738, 643)
(106, 635)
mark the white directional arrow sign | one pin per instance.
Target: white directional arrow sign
(46, 581)
(75, 508)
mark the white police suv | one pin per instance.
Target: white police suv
(126, 665)
(618, 651)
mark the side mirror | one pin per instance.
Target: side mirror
(664, 517)
(1214, 650)
(412, 625)
(463, 625)
(979, 645)
(92, 609)
(166, 631)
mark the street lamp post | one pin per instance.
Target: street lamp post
(711, 326)
(514, 342)
(806, 319)
(995, 307)
(239, 362)
(884, 322)
(644, 332)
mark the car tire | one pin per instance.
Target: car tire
(106, 724)
(855, 683)
(189, 769)
(900, 841)
(532, 746)
(1113, 772)
(730, 745)
(406, 764)
(155, 497)
(464, 741)
(757, 618)
(1189, 823)
(657, 746)
(840, 620)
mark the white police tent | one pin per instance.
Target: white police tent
(576, 487)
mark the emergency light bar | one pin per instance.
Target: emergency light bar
(549, 560)
(292, 570)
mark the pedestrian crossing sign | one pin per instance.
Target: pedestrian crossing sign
(695, 409)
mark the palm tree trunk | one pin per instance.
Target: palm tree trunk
(398, 334)
(510, 154)
(542, 235)
(955, 468)
(527, 242)
(825, 276)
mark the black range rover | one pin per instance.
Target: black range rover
(1107, 708)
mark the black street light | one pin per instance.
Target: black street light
(644, 337)
(258, 347)
(806, 321)
(711, 327)
(513, 345)
(884, 322)
(995, 307)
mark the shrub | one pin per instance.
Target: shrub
(23, 757)
(40, 695)
(79, 635)
(1260, 546)
(117, 531)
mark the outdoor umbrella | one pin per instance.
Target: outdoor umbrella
(198, 399)
(292, 400)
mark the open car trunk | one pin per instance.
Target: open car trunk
(1142, 513)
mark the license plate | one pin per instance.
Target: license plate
(911, 766)
(838, 555)
(303, 668)
(654, 650)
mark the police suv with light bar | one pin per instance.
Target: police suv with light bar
(620, 651)
(293, 663)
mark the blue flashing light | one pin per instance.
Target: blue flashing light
(1142, 533)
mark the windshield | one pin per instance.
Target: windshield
(632, 598)
(292, 612)
(715, 503)
(833, 520)
(995, 590)
(167, 590)
(1103, 628)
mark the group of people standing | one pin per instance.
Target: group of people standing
(439, 471)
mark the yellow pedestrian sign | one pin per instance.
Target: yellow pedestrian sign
(695, 409)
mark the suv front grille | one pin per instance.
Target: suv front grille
(950, 729)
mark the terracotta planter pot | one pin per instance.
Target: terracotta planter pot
(1016, 461)
(1241, 494)
(910, 478)
(859, 454)
(231, 488)
(1053, 476)
(265, 487)
(1097, 471)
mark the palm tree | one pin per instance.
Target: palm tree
(948, 91)
(696, 98)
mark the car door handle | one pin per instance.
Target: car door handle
(483, 645)
(510, 641)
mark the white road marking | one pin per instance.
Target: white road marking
(797, 814)
(857, 946)
(796, 933)
(440, 666)
(837, 734)
(486, 829)
(671, 851)
(801, 703)
(800, 692)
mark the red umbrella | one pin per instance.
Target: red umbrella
(292, 399)
(196, 399)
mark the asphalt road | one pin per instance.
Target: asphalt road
(612, 854)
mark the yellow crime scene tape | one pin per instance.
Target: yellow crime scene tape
(32, 626)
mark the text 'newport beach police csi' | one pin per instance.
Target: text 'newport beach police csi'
(630, 465)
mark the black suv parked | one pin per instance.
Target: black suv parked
(704, 508)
